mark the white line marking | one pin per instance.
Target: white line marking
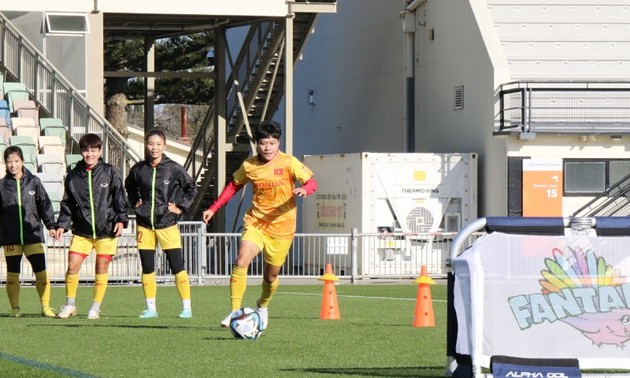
(357, 296)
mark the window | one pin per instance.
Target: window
(592, 177)
(584, 177)
(66, 23)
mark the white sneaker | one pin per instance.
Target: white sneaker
(67, 311)
(226, 321)
(93, 314)
(264, 317)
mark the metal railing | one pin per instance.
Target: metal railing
(574, 107)
(209, 256)
(613, 202)
(56, 96)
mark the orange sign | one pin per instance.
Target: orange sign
(542, 187)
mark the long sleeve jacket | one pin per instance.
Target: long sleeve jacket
(156, 186)
(24, 204)
(93, 202)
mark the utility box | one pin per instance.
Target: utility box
(389, 194)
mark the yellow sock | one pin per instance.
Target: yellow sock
(42, 284)
(13, 289)
(100, 286)
(149, 286)
(183, 285)
(72, 284)
(238, 284)
(268, 289)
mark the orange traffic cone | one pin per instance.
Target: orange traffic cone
(330, 308)
(424, 307)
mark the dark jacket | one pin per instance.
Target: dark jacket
(157, 186)
(93, 216)
(22, 211)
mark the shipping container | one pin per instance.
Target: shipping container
(406, 197)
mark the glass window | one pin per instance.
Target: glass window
(66, 23)
(618, 170)
(584, 177)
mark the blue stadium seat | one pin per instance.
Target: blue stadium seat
(5, 112)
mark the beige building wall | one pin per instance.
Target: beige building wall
(353, 64)
(454, 52)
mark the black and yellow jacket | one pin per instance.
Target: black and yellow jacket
(93, 201)
(156, 187)
(24, 204)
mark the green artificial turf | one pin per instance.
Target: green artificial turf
(373, 338)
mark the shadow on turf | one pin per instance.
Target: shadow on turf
(90, 324)
(411, 371)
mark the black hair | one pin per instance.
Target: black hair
(88, 141)
(13, 150)
(153, 132)
(268, 130)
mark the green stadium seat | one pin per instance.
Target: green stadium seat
(27, 145)
(72, 160)
(15, 91)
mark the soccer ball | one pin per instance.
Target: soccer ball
(246, 324)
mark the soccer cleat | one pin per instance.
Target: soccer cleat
(186, 314)
(15, 313)
(226, 321)
(148, 314)
(93, 314)
(48, 312)
(67, 311)
(264, 317)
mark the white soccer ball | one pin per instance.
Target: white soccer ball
(246, 324)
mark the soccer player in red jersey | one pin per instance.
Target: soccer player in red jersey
(269, 225)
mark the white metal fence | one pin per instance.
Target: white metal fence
(209, 256)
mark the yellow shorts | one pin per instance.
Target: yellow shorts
(85, 245)
(26, 249)
(169, 238)
(274, 250)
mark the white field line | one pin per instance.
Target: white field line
(357, 296)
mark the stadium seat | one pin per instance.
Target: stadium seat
(27, 145)
(30, 131)
(53, 184)
(72, 160)
(56, 204)
(31, 166)
(53, 146)
(46, 122)
(5, 131)
(3, 146)
(5, 112)
(22, 122)
(55, 130)
(15, 91)
(51, 164)
(26, 109)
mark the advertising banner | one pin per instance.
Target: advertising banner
(545, 297)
